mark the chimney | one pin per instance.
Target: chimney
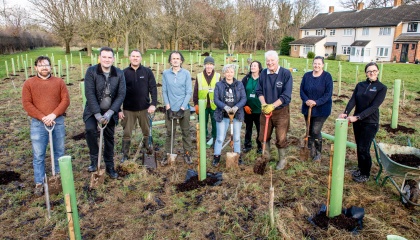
(397, 3)
(361, 4)
(331, 9)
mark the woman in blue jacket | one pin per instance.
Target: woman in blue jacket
(230, 98)
(367, 97)
(316, 92)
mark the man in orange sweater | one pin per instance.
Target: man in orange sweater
(45, 98)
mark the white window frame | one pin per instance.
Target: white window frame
(412, 27)
(348, 32)
(306, 33)
(345, 50)
(307, 48)
(332, 32)
(383, 51)
(385, 31)
(365, 31)
(319, 32)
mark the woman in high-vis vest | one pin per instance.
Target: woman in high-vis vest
(204, 89)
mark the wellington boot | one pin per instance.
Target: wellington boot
(125, 149)
(282, 159)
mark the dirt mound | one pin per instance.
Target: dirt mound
(399, 128)
(406, 159)
(341, 221)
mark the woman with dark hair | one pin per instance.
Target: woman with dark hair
(253, 105)
(316, 91)
(367, 97)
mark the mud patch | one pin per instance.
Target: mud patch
(79, 136)
(399, 128)
(406, 159)
(193, 183)
(338, 101)
(9, 176)
(339, 222)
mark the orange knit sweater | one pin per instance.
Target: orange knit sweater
(42, 97)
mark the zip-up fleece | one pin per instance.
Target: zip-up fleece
(140, 85)
(367, 97)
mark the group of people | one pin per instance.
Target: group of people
(262, 99)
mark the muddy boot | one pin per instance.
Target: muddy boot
(318, 149)
(311, 146)
(282, 159)
(125, 149)
(216, 161)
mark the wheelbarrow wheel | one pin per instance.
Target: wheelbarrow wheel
(411, 189)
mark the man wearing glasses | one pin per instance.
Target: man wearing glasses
(45, 98)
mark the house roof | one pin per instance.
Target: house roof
(360, 43)
(375, 17)
(307, 40)
(408, 37)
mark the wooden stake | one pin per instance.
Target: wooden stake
(271, 204)
(330, 178)
(69, 217)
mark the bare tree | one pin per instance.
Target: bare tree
(350, 4)
(60, 16)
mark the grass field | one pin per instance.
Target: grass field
(145, 205)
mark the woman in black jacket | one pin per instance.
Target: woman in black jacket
(367, 97)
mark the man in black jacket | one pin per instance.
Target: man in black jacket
(140, 100)
(105, 92)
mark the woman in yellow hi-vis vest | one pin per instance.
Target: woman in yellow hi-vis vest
(204, 89)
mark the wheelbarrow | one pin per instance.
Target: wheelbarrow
(409, 188)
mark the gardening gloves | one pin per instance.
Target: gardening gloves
(179, 114)
(267, 108)
(247, 110)
(169, 114)
(98, 117)
(107, 116)
(196, 109)
(227, 109)
(233, 109)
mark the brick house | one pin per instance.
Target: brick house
(363, 35)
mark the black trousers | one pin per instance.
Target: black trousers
(250, 120)
(364, 133)
(92, 139)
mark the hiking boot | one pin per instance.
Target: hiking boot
(361, 178)
(112, 173)
(187, 157)
(259, 150)
(39, 189)
(125, 149)
(92, 168)
(216, 161)
(356, 173)
(240, 161)
(282, 159)
(317, 157)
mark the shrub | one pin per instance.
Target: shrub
(331, 56)
(284, 45)
(341, 57)
(310, 55)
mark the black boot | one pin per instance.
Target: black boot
(318, 150)
(125, 147)
(216, 161)
(311, 146)
(93, 164)
(111, 172)
(240, 161)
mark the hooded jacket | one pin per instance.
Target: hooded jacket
(239, 99)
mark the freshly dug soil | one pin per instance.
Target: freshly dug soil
(338, 101)
(406, 159)
(339, 222)
(193, 183)
(398, 129)
(79, 136)
(8, 176)
(343, 96)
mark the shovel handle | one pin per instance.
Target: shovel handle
(267, 117)
(50, 130)
(101, 140)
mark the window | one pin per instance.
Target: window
(397, 46)
(345, 50)
(385, 31)
(295, 48)
(348, 32)
(365, 31)
(412, 27)
(306, 33)
(382, 52)
(319, 32)
(307, 48)
(353, 51)
(332, 32)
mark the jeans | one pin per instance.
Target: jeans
(222, 128)
(250, 120)
(315, 130)
(364, 133)
(92, 136)
(40, 139)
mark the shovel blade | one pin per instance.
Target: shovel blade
(171, 158)
(260, 164)
(232, 160)
(54, 184)
(149, 160)
(97, 178)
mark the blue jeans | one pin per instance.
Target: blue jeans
(222, 128)
(40, 139)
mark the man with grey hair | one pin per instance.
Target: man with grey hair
(274, 89)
